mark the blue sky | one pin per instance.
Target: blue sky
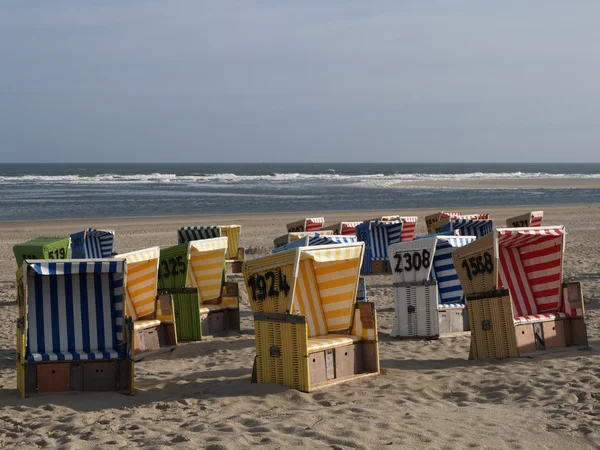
(278, 81)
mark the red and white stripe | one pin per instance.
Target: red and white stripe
(531, 263)
(536, 218)
(409, 225)
(482, 216)
(314, 223)
(452, 215)
(349, 228)
(539, 317)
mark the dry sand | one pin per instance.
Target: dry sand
(428, 395)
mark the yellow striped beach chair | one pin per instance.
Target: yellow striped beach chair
(152, 315)
(235, 253)
(310, 331)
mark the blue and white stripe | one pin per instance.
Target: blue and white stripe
(382, 235)
(75, 310)
(92, 243)
(315, 239)
(470, 227)
(449, 287)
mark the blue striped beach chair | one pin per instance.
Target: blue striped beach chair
(468, 227)
(429, 300)
(72, 333)
(92, 243)
(293, 236)
(378, 236)
(316, 239)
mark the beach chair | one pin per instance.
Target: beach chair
(310, 331)
(342, 228)
(71, 331)
(42, 248)
(409, 225)
(308, 224)
(530, 219)
(291, 237)
(315, 239)
(436, 217)
(517, 301)
(205, 303)
(465, 226)
(378, 236)
(92, 243)
(235, 253)
(429, 301)
(153, 316)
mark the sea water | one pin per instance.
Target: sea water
(61, 191)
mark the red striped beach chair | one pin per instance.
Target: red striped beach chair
(530, 219)
(72, 334)
(342, 228)
(308, 224)
(517, 301)
(153, 317)
(310, 330)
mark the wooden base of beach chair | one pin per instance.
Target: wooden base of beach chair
(66, 376)
(234, 266)
(453, 320)
(342, 364)
(537, 338)
(157, 339)
(380, 267)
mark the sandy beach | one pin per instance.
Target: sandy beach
(429, 395)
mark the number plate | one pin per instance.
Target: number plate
(270, 290)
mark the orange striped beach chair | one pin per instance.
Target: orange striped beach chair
(153, 316)
(310, 330)
(517, 301)
(530, 219)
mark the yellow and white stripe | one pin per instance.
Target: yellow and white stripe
(142, 281)
(336, 252)
(206, 263)
(232, 233)
(365, 334)
(143, 324)
(302, 234)
(308, 300)
(329, 341)
(337, 283)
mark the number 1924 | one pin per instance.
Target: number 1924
(264, 286)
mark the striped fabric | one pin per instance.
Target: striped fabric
(531, 261)
(315, 239)
(232, 233)
(453, 215)
(409, 225)
(75, 310)
(308, 300)
(470, 227)
(474, 216)
(314, 224)
(540, 317)
(187, 234)
(92, 243)
(536, 218)
(142, 281)
(572, 307)
(299, 235)
(381, 236)
(230, 302)
(329, 341)
(449, 287)
(207, 259)
(348, 228)
(337, 283)
(452, 305)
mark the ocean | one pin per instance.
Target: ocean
(64, 191)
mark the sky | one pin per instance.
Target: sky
(299, 81)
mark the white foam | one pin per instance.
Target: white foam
(370, 180)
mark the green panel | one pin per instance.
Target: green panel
(187, 317)
(173, 267)
(42, 248)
